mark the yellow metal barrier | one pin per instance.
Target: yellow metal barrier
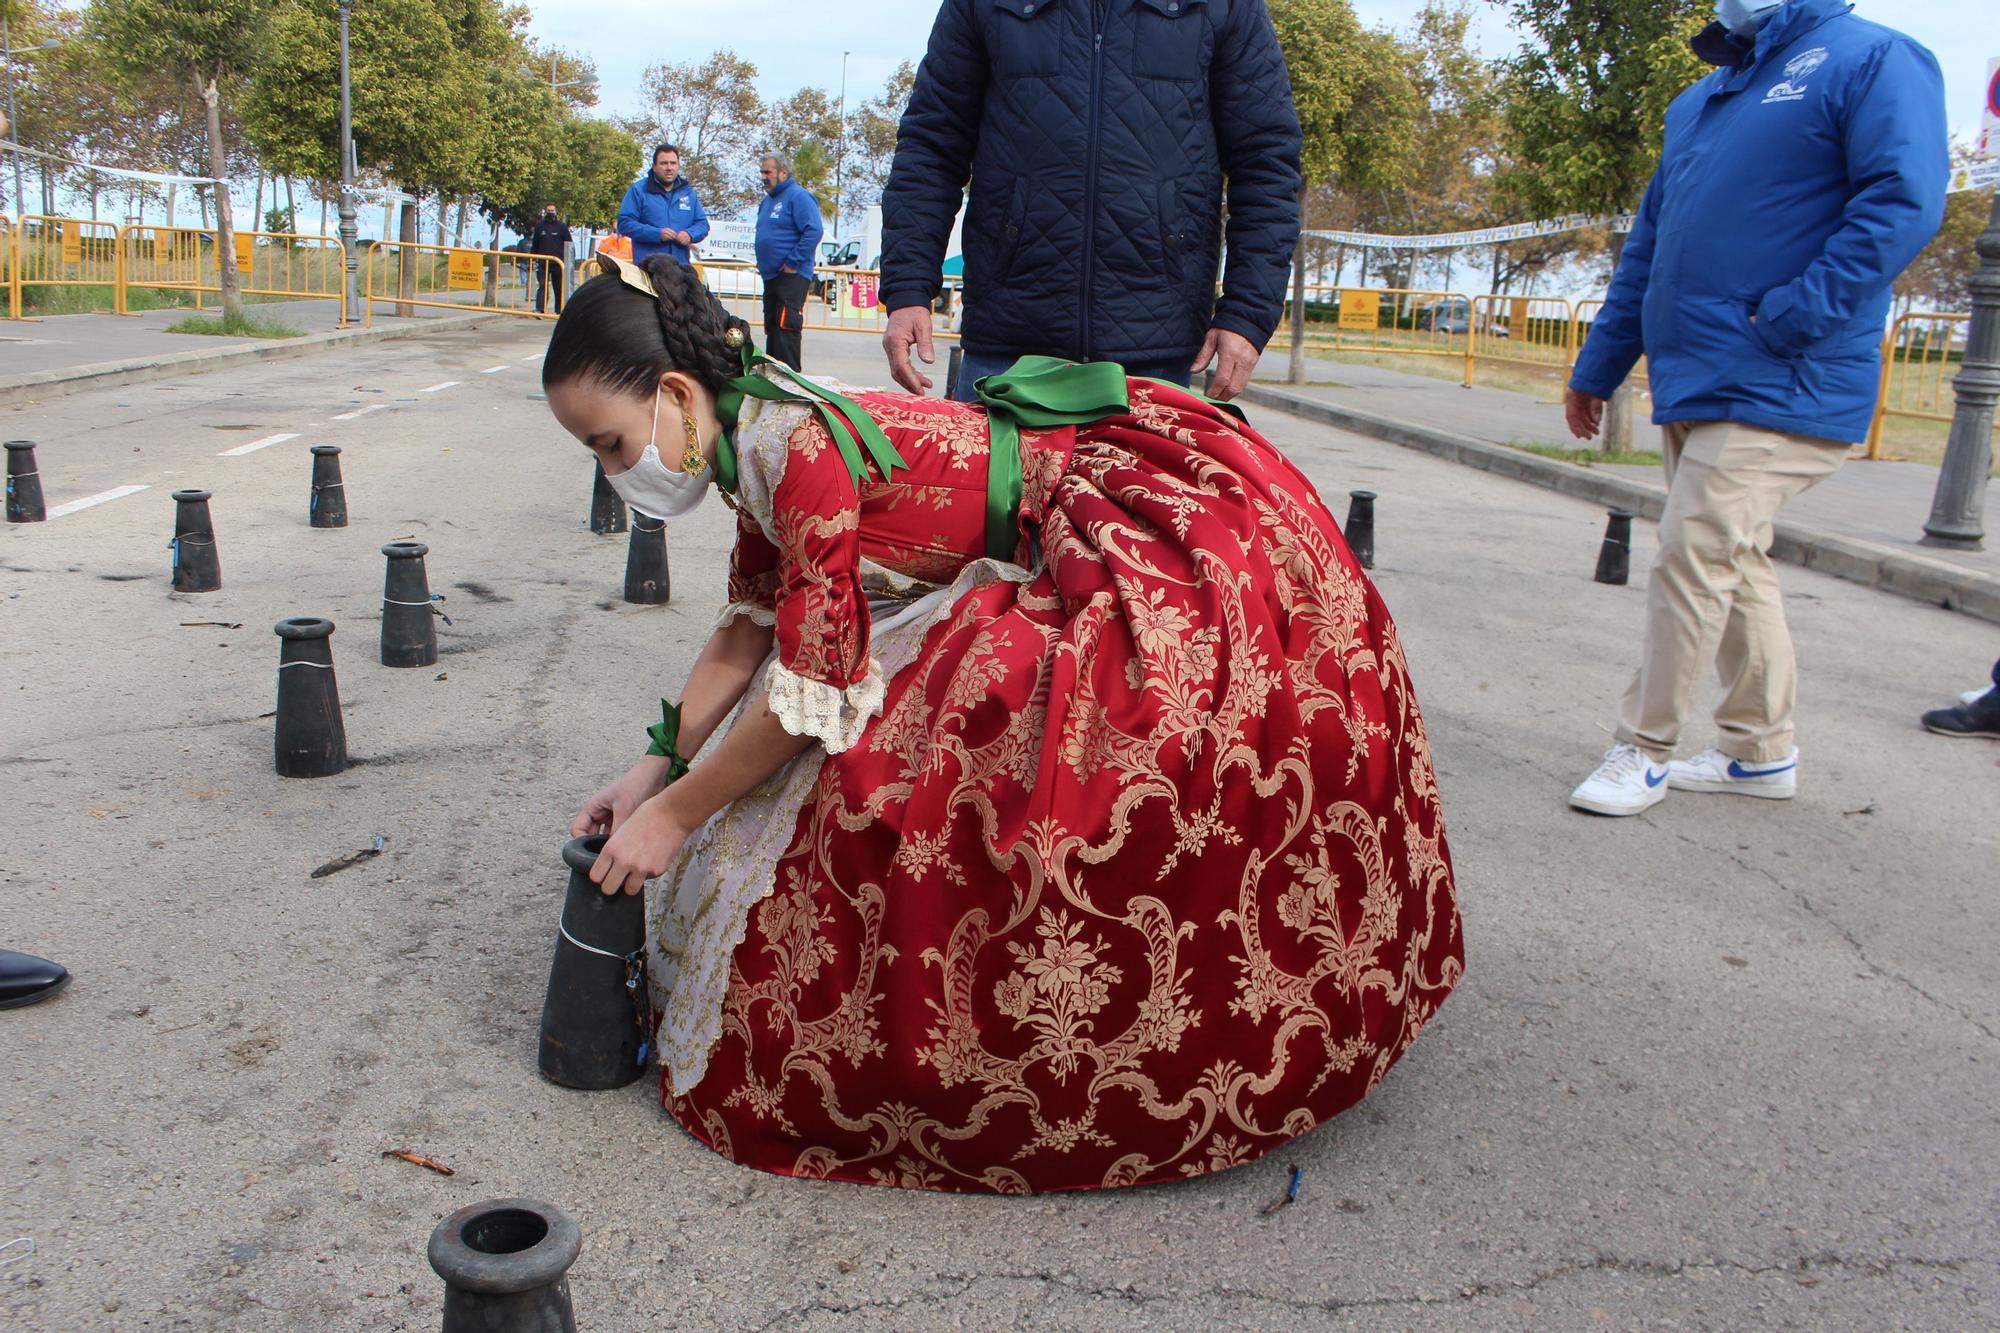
(63, 252)
(446, 277)
(1400, 320)
(1538, 331)
(1920, 358)
(8, 267)
(267, 263)
(844, 300)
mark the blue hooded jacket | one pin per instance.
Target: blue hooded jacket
(788, 229)
(652, 210)
(1795, 183)
(1097, 137)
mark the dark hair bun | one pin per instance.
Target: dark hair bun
(692, 322)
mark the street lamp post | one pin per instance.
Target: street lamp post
(1958, 509)
(350, 229)
(840, 153)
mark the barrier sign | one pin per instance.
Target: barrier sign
(1517, 316)
(1360, 310)
(861, 292)
(466, 272)
(72, 243)
(246, 251)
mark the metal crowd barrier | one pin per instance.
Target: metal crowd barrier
(62, 252)
(1920, 358)
(1537, 331)
(410, 274)
(843, 300)
(268, 263)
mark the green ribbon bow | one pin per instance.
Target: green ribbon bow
(666, 734)
(843, 417)
(1037, 393)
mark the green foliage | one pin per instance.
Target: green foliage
(1356, 106)
(712, 112)
(233, 326)
(1586, 97)
(218, 38)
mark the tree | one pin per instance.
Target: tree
(1586, 98)
(1356, 109)
(711, 111)
(805, 126)
(871, 139)
(212, 44)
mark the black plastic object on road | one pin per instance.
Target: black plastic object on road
(196, 566)
(646, 580)
(607, 511)
(952, 365)
(24, 483)
(329, 495)
(1360, 527)
(596, 1021)
(1614, 558)
(311, 739)
(505, 1265)
(409, 629)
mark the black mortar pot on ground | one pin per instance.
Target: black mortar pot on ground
(24, 484)
(196, 565)
(1360, 527)
(505, 1265)
(1614, 557)
(595, 1016)
(607, 511)
(329, 494)
(311, 739)
(409, 629)
(646, 579)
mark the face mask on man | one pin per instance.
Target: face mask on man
(653, 488)
(1745, 17)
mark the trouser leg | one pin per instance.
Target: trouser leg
(1755, 659)
(784, 316)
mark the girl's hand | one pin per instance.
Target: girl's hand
(604, 812)
(642, 848)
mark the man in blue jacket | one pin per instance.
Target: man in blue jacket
(1097, 136)
(1796, 182)
(788, 232)
(661, 212)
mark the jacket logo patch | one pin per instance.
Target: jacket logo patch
(1793, 89)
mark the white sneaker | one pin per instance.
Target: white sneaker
(1626, 783)
(1714, 771)
(1974, 696)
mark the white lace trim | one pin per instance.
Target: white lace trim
(836, 717)
(762, 615)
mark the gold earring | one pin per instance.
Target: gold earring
(692, 462)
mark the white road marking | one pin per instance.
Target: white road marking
(492, 370)
(255, 445)
(359, 412)
(532, 356)
(102, 497)
(440, 388)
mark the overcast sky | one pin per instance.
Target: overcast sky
(794, 43)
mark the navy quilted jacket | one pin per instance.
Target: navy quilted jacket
(1097, 135)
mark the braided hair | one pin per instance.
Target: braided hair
(624, 340)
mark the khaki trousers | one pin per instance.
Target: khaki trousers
(1713, 595)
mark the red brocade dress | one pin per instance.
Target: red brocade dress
(1120, 862)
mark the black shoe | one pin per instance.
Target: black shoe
(26, 979)
(1981, 717)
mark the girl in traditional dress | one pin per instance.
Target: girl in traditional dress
(1076, 826)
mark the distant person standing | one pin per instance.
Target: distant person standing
(788, 232)
(549, 238)
(661, 213)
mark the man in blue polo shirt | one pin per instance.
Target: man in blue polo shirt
(661, 213)
(788, 232)
(1796, 182)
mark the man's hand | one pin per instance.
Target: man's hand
(909, 325)
(786, 268)
(1585, 413)
(1235, 358)
(683, 238)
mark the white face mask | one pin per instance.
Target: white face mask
(1746, 17)
(653, 488)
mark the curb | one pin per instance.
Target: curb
(1904, 573)
(47, 384)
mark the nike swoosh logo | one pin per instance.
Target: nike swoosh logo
(1736, 770)
(1652, 781)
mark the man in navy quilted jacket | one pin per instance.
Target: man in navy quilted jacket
(1098, 137)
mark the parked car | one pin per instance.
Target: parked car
(1454, 316)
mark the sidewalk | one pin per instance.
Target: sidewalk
(1862, 523)
(46, 357)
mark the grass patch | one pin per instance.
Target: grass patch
(1637, 458)
(95, 298)
(224, 326)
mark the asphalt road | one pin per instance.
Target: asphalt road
(1730, 1065)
